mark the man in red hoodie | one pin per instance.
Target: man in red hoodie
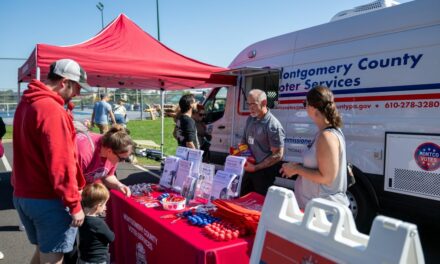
(46, 176)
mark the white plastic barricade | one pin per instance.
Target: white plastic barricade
(286, 235)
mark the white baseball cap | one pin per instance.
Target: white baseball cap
(71, 70)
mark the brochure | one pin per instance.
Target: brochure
(222, 181)
(169, 171)
(235, 164)
(183, 172)
(182, 152)
(195, 155)
(188, 188)
(204, 184)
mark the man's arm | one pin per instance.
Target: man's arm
(112, 117)
(112, 182)
(57, 136)
(274, 158)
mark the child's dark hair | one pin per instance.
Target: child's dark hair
(118, 139)
(94, 194)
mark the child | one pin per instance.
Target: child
(94, 234)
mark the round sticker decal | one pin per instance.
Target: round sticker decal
(427, 156)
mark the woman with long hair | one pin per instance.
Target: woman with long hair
(324, 169)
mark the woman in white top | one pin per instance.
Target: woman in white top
(323, 172)
(120, 112)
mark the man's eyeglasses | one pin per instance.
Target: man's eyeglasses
(305, 103)
(202, 114)
(122, 159)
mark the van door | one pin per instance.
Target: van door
(219, 120)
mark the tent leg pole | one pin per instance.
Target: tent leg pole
(18, 92)
(162, 100)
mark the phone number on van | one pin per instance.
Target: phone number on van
(419, 104)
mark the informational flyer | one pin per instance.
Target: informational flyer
(188, 188)
(222, 180)
(183, 172)
(182, 152)
(169, 171)
(204, 185)
(235, 164)
(195, 156)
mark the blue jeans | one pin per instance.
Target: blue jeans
(47, 224)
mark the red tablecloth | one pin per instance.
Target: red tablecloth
(143, 237)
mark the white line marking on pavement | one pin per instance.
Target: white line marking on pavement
(6, 163)
(146, 170)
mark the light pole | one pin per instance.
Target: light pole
(157, 16)
(100, 6)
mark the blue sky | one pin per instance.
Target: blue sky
(210, 31)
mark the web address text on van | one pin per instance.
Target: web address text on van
(386, 104)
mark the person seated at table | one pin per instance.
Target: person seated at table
(98, 156)
(94, 234)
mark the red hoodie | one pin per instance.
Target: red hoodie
(45, 163)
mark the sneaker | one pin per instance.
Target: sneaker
(1, 255)
(21, 227)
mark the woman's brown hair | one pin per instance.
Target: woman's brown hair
(118, 139)
(321, 98)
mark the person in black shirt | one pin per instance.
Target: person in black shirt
(94, 235)
(186, 126)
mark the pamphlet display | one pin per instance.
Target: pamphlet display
(195, 156)
(169, 171)
(183, 172)
(204, 184)
(188, 188)
(235, 165)
(182, 152)
(222, 182)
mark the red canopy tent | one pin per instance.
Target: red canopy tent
(124, 56)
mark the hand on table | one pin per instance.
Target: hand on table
(124, 189)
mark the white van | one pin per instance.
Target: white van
(384, 69)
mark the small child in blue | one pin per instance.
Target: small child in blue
(94, 235)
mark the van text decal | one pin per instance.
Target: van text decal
(340, 75)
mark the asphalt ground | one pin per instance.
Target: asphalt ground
(17, 249)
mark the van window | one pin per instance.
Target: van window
(267, 82)
(215, 104)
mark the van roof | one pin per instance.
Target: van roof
(279, 51)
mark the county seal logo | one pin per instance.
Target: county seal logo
(427, 156)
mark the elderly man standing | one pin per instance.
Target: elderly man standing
(264, 135)
(46, 176)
